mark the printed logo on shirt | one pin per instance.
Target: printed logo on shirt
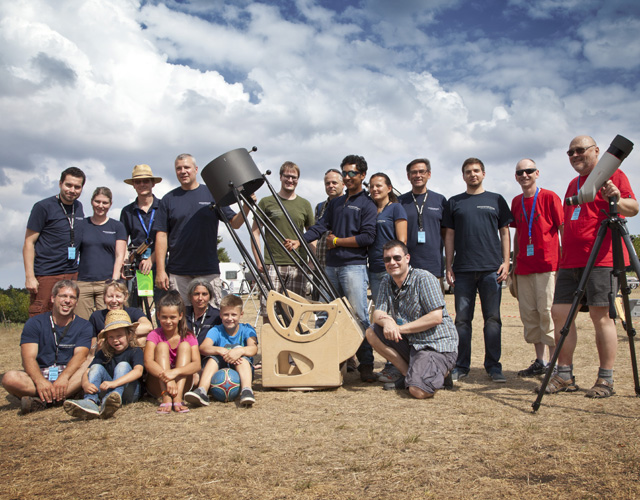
(109, 232)
(437, 209)
(486, 207)
(353, 207)
(204, 203)
(79, 218)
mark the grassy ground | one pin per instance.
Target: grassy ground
(480, 440)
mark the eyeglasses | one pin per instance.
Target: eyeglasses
(580, 151)
(350, 173)
(418, 172)
(397, 258)
(527, 171)
(290, 177)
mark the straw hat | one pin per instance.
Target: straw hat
(142, 172)
(118, 318)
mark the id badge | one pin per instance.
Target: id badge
(53, 373)
(71, 253)
(421, 237)
(576, 213)
(146, 254)
(529, 250)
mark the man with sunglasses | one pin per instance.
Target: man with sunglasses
(411, 326)
(538, 221)
(301, 214)
(351, 222)
(581, 225)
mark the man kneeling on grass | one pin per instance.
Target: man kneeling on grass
(411, 326)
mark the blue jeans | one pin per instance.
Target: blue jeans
(375, 279)
(352, 282)
(490, 293)
(130, 393)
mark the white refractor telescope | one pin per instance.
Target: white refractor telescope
(607, 165)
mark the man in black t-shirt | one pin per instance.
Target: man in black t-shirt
(477, 231)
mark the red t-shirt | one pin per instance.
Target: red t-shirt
(547, 219)
(580, 235)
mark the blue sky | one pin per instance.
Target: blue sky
(107, 84)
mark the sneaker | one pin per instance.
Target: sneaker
(366, 373)
(448, 382)
(458, 374)
(398, 385)
(388, 374)
(246, 398)
(29, 404)
(111, 404)
(498, 377)
(352, 364)
(535, 369)
(84, 409)
(197, 397)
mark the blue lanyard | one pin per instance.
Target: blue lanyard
(533, 209)
(147, 231)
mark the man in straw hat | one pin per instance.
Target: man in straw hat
(113, 378)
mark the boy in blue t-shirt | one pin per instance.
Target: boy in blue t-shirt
(230, 345)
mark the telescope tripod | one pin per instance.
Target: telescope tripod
(619, 234)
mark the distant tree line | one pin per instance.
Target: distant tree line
(14, 305)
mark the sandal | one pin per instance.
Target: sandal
(601, 389)
(183, 408)
(162, 411)
(558, 384)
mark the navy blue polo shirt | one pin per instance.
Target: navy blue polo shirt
(130, 218)
(98, 249)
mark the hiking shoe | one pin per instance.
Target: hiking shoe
(448, 382)
(246, 398)
(458, 374)
(398, 385)
(111, 404)
(366, 373)
(352, 364)
(30, 404)
(84, 409)
(197, 398)
(388, 374)
(498, 377)
(535, 369)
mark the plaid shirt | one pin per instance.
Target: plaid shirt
(321, 244)
(420, 294)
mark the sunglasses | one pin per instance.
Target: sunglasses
(580, 151)
(350, 173)
(527, 171)
(397, 258)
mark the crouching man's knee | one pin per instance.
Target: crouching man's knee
(419, 393)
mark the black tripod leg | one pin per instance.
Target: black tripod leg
(575, 305)
(631, 331)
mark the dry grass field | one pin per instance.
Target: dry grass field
(480, 440)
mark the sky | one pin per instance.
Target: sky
(107, 84)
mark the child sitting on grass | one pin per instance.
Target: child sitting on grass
(230, 345)
(171, 355)
(114, 374)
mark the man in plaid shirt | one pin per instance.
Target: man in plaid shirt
(411, 326)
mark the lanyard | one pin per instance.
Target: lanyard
(533, 209)
(55, 335)
(420, 208)
(71, 220)
(146, 230)
(197, 328)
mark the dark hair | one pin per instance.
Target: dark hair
(73, 172)
(105, 191)
(393, 244)
(172, 299)
(392, 196)
(231, 301)
(65, 284)
(472, 161)
(358, 161)
(419, 160)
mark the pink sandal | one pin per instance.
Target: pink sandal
(160, 410)
(185, 408)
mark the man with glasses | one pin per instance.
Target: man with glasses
(53, 346)
(477, 223)
(581, 225)
(538, 222)
(411, 326)
(350, 220)
(301, 214)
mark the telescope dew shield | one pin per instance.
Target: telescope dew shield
(607, 165)
(235, 167)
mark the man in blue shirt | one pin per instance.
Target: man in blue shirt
(188, 232)
(53, 346)
(411, 325)
(54, 232)
(351, 222)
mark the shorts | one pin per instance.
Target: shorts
(292, 278)
(427, 368)
(600, 283)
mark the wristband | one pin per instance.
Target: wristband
(335, 241)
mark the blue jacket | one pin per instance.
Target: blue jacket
(347, 216)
